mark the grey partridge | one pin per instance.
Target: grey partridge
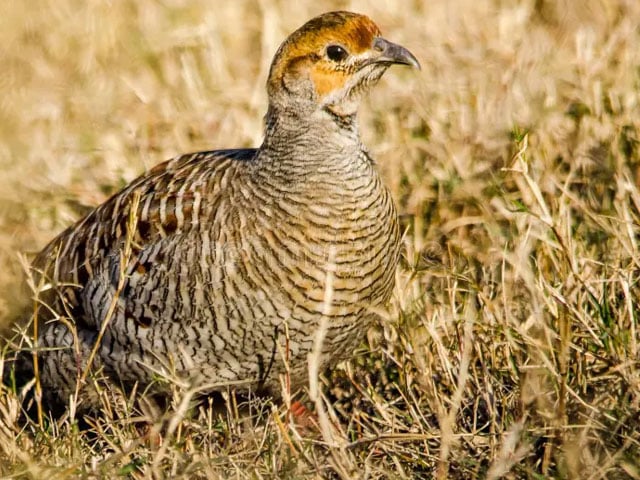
(213, 266)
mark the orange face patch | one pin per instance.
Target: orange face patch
(354, 32)
(358, 34)
(327, 80)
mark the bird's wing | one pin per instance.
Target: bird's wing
(167, 201)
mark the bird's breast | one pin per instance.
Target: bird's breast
(298, 240)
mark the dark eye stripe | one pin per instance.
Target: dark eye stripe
(336, 53)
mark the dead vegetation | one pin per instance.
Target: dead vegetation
(511, 349)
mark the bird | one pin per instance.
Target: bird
(219, 267)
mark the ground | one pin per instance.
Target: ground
(511, 346)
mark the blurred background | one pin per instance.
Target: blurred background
(93, 93)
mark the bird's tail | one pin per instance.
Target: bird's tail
(17, 370)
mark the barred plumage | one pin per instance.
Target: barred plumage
(205, 264)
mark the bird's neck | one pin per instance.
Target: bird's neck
(313, 137)
(314, 157)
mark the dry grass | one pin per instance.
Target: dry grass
(512, 348)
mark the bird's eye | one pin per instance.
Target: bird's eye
(336, 53)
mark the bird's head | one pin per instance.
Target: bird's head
(330, 62)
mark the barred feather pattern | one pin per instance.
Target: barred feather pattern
(213, 267)
(228, 266)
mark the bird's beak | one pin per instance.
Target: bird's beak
(390, 53)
